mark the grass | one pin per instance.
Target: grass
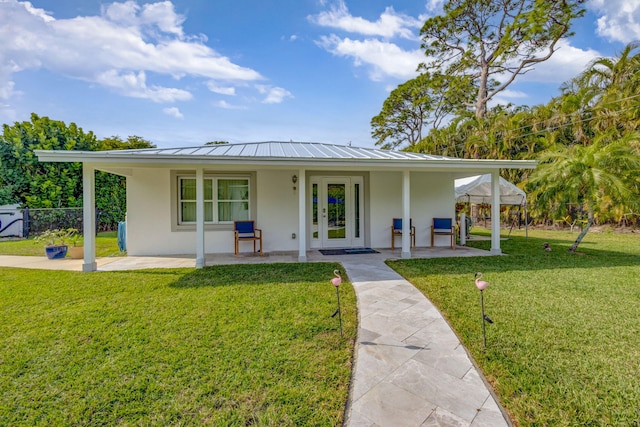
(565, 345)
(226, 345)
(106, 245)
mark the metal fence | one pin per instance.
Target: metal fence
(31, 222)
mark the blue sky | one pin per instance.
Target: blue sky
(181, 73)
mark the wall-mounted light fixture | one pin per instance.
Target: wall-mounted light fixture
(294, 179)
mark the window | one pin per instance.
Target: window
(229, 201)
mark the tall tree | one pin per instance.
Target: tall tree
(116, 143)
(614, 84)
(41, 185)
(589, 177)
(26, 181)
(410, 109)
(486, 44)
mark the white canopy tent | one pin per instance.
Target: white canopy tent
(477, 189)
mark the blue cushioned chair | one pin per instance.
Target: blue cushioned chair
(246, 231)
(444, 227)
(396, 230)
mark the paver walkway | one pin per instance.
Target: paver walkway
(411, 369)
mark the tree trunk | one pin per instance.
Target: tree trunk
(583, 233)
(481, 99)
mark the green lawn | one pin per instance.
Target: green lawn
(255, 345)
(565, 346)
(106, 245)
(225, 346)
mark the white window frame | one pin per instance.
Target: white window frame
(214, 200)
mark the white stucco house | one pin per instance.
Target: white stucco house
(304, 196)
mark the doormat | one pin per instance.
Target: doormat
(355, 251)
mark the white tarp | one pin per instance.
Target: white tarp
(477, 189)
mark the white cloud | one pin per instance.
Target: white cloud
(164, 16)
(385, 59)
(43, 14)
(274, 95)
(228, 106)
(435, 5)
(513, 94)
(173, 111)
(508, 96)
(619, 20)
(116, 49)
(390, 24)
(135, 85)
(371, 44)
(6, 90)
(222, 90)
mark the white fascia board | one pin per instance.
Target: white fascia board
(128, 160)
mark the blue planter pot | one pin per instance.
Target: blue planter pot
(56, 252)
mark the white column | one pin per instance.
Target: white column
(302, 216)
(200, 261)
(495, 212)
(89, 217)
(406, 214)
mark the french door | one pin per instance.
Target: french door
(337, 212)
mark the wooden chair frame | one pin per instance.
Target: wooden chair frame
(246, 231)
(443, 227)
(396, 230)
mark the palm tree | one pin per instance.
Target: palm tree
(614, 84)
(588, 176)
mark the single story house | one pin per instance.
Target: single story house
(303, 196)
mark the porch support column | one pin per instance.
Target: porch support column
(495, 212)
(200, 262)
(406, 214)
(89, 217)
(302, 216)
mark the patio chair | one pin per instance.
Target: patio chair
(246, 231)
(396, 230)
(443, 227)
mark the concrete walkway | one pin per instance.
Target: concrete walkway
(409, 366)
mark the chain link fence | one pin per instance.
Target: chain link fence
(32, 222)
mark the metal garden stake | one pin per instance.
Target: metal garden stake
(336, 281)
(481, 284)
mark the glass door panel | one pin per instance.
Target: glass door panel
(315, 225)
(336, 211)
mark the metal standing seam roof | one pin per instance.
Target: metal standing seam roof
(277, 150)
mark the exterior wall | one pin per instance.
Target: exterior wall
(385, 203)
(150, 199)
(149, 219)
(432, 195)
(149, 216)
(277, 210)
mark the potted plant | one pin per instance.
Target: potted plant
(75, 239)
(55, 243)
